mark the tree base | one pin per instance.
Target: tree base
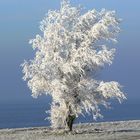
(70, 119)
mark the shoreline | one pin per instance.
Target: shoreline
(129, 130)
(75, 124)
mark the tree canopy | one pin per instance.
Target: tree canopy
(68, 56)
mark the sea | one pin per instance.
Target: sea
(20, 114)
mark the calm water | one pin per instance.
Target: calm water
(29, 114)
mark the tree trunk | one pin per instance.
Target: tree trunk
(70, 119)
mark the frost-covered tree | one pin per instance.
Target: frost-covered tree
(68, 57)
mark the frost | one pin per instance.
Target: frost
(68, 57)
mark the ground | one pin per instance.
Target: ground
(121, 130)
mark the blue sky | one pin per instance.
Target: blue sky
(19, 22)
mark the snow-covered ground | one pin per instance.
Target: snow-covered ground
(122, 130)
